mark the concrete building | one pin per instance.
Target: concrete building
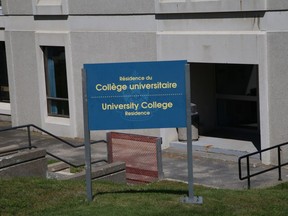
(237, 49)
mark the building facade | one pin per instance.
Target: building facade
(237, 51)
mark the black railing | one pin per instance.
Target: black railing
(30, 146)
(249, 175)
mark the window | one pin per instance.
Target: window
(56, 81)
(4, 86)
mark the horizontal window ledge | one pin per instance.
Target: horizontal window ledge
(57, 99)
(50, 7)
(57, 120)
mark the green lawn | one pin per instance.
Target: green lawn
(30, 196)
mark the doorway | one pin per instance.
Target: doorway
(227, 100)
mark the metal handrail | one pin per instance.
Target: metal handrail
(30, 146)
(247, 156)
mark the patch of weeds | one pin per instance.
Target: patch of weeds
(52, 161)
(77, 169)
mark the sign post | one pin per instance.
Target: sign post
(86, 139)
(191, 198)
(137, 95)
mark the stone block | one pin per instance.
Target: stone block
(115, 172)
(26, 163)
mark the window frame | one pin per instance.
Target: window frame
(52, 110)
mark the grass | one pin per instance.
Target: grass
(31, 196)
(52, 161)
(77, 169)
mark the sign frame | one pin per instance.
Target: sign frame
(190, 198)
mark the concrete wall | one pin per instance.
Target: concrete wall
(111, 7)
(277, 51)
(64, 7)
(196, 6)
(17, 7)
(23, 76)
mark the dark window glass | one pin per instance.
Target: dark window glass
(4, 86)
(56, 81)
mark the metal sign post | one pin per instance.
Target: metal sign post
(86, 139)
(191, 198)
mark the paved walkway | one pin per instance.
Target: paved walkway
(218, 170)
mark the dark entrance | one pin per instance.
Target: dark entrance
(227, 100)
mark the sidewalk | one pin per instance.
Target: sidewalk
(217, 169)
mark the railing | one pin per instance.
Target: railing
(249, 175)
(30, 146)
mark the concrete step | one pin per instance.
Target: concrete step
(25, 163)
(115, 172)
(6, 150)
(58, 166)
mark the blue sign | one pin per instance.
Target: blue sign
(136, 95)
